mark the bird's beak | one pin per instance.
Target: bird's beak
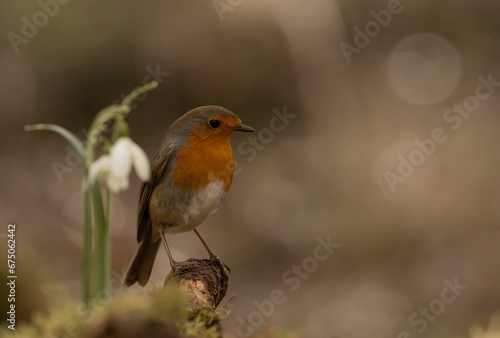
(244, 128)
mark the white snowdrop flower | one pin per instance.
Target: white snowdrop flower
(116, 166)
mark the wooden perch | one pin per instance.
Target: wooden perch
(204, 282)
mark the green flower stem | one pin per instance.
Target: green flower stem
(87, 290)
(101, 262)
(99, 125)
(101, 216)
(113, 112)
(102, 258)
(130, 98)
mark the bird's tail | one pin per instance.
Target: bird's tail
(142, 264)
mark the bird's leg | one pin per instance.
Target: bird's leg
(173, 263)
(210, 252)
(221, 263)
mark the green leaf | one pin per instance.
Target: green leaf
(70, 137)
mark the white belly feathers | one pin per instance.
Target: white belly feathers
(201, 206)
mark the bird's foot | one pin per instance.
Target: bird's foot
(174, 265)
(222, 265)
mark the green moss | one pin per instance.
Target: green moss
(67, 318)
(159, 313)
(203, 322)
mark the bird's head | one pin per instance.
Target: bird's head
(208, 123)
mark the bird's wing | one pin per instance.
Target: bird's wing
(158, 166)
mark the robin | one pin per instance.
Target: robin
(190, 176)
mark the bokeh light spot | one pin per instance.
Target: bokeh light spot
(424, 69)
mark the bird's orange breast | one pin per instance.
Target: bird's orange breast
(203, 161)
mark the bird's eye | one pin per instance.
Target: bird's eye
(214, 123)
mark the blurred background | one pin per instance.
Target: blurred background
(378, 131)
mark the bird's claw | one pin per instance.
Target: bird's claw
(222, 265)
(174, 265)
